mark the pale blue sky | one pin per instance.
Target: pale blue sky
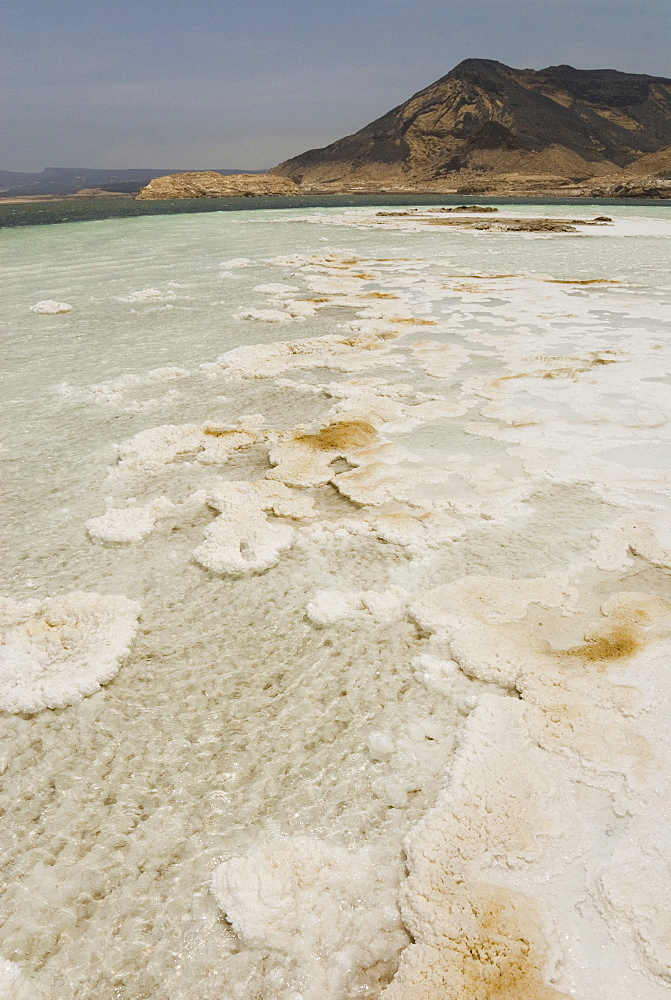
(218, 83)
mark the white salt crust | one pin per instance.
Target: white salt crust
(354, 352)
(543, 869)
(13, 985)
(118, 392)
(55, 652)
(129, 524)
(645, 534)
(331, 912)
(264, 315)
(49, 307)
(556, 797)
(243, 539)
(207, 444)
(329, 606)
(150, 295)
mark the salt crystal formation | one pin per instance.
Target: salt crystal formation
(507, 849)
(50, 307)
(331, 912)
(242, 539)
(129, 524)
(13, 985)
(53, 653)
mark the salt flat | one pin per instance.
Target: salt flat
(344, 541)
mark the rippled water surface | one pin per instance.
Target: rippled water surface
(400, 550)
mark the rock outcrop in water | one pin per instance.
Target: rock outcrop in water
(210, 184)
(486, 126)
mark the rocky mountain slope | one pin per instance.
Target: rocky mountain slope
(484, 119)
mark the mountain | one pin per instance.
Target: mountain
(658, 163)
(68, 180)
(486, 118)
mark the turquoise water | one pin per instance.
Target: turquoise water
(70, 211)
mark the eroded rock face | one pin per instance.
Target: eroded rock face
(649, 186)
(484, 119)
(210, 184)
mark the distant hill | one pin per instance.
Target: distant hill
(210, 184)
(68, 180)
(486, 118)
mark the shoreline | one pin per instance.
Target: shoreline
(50, 210)
(38, 199)
(569, 196)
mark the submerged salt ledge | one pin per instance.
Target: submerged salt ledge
(55, 652)
(207, 444)
(331, 912)
(50, 307)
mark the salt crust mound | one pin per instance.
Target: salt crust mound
(647, 535)
(207, 444)
(396, 406)
(49, 307)
(354, 351)
(13, 985)
(264, 315)
(150, 295)
(551, 824)
(129, 524)
(237, 262)
(304, 459)
(55, 652)
(475, 940)
(328, 606)
(439, 360)
(331, 912)
(243, 539)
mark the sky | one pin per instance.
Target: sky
(198, 84)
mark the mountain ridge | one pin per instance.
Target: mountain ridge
(485, 117)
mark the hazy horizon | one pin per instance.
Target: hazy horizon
(216, 85)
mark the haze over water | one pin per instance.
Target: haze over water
(392, 503)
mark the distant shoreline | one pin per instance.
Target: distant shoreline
(30, 199)
(75, 208)
(569, 197)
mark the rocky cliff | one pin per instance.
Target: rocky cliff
(484, 119)
(210, 184)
